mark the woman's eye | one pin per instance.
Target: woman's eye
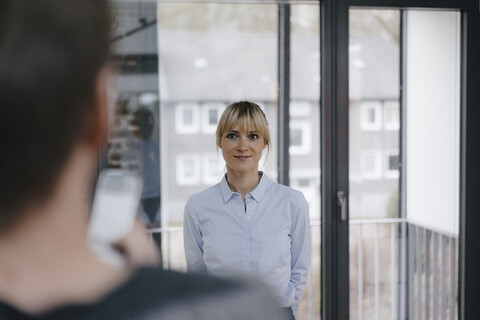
(254, 136)
(231, 136)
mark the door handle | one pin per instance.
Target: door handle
(342, 202)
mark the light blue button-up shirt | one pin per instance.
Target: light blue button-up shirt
(269, 238)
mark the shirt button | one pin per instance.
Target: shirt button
(248, 217)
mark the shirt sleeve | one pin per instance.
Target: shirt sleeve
(301, 251)
(192, 238)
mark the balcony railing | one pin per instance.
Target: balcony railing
(398, 270)
(413, 273)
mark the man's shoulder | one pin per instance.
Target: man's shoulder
(152, 293)
(176, 295)
(172, 284)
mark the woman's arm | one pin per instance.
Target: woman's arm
(192, 239)
(301, 251)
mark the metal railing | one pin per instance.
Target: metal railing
(413, 272)
(433, 270)
(420, 280)
(376, 223)
(173, 237)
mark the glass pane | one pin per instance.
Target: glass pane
(296, 137)
(374, 73)
(210, 55)
(184, 62)
(432, 157)
(305, 133)
(187, 117)
(212, 117)
(134, 135)
(380, 258)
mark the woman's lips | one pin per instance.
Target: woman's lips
(241, 157)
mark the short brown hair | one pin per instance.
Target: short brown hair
(51, 52)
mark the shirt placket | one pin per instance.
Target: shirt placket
(247, 218)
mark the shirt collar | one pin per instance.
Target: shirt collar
(256, 194)
(225, 189)
(259, 191)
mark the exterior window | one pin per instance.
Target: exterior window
(187, 118)
(391, 165)
(371, 164)
(300, 138)
(188, 169)
(300, 108)
(391, 115)
(210, 115)
(303, 183)
(371, 116)
(213, 165)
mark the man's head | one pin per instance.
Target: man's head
(51, 54)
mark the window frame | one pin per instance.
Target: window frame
(365, 107)
(389, 173)
(387, 123)
(207, 177)
(305, 147)
(182, 179)
(180, 126)
(207, 127)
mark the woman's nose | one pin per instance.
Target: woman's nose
(242, 144)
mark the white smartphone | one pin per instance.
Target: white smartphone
(115, 205)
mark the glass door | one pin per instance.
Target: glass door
(404, 156)
(374, 154)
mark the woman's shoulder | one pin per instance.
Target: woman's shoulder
(206, 194)
(285, 191)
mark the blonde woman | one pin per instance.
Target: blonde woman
(247, 224)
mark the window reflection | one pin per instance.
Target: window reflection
(209, 56)
(185, 63)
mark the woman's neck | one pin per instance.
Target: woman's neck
(243, 183)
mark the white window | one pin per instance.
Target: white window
(300, 138)
(188, 169)
(371, 163)
(392, 161)
(187, 118)
(391, 115)
(211, 113)
(213, 168)
(300, 108)
(371, 115)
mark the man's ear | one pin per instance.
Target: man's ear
(97, 119)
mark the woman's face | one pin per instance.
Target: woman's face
(242, 149)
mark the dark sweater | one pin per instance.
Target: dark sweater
(153, 293)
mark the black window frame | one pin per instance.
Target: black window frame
(334, 150)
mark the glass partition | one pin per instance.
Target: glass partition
(179, 64)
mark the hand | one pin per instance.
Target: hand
(137, 247)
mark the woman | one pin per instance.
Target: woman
(248, 224)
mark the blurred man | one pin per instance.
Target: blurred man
(53, 57)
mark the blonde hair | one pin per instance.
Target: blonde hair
(247, 112)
